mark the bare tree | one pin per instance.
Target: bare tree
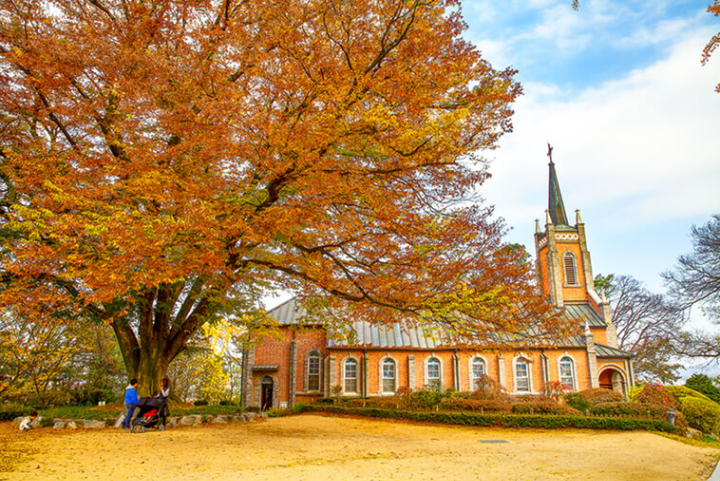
(648, 325)
(695, 282)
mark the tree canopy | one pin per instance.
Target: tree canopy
(163, 163)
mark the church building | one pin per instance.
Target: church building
(304, 363)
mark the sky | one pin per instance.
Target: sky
(618, 90)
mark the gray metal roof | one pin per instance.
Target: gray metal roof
(607, 351)
(421, 337)
(394, 335)
(288, 312)
(583, 311)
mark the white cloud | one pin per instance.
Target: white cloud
(637, 153)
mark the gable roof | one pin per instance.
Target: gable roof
(397, 335)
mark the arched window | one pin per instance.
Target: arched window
(389, 376)
(433, 373)
(523, 379)
(313, 371)
(350, 376)
(567, 371)
(477, 371)
(570, 268)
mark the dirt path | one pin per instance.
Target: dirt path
(310, 447)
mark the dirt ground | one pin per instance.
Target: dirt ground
(317, 447)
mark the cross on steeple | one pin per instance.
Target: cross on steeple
(549, 154)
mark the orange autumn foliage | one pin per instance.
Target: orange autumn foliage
(165, 162)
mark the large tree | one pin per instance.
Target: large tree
(164, 163)
(695, 283)
(648, 325)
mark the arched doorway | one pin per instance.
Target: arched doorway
(613, 379)
(266, 393)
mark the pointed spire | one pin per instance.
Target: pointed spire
(587, 328)
(548, 219)
(578, 219)
(603, 298)
(555, 202)
(537, 226)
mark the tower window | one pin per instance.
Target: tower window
(570, 268)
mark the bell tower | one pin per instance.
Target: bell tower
(562, 259)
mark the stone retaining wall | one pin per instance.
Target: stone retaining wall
(189, 420)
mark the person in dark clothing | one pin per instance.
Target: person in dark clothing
(164, 394)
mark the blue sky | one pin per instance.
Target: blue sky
(618, 90)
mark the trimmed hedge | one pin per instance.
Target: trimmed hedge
(545, 407)
(473, 405)
(583, 400)
(504, 420)
(679, 392)
(701, 414)
(635, 410)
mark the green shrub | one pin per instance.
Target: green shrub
(201, 402)
(634, 391)
(701, 414)
(326, 400)
(474, 405)
(9, 411)
(90, 395)
(545, 407)
(46, 422)
(424, 399)
(627, 409)
(679, 392)
(705, 385)
(505, 420)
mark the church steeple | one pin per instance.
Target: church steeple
(555, 201)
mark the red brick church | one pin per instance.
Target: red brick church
(304, 363)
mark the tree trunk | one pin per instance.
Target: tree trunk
(160, 337)
(151, 369)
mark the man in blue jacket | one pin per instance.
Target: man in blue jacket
(131, 400)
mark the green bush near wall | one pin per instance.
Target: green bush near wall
(702, 414)
(504, 420)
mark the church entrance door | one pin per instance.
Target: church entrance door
(266, 393)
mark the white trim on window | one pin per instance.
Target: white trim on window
(522, 374)
(472, 379)
(569, 378)
(384, 384)
(436, 371)
(346, 380)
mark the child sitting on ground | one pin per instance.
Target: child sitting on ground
(26, 423)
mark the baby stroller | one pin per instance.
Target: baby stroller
(151, 413)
